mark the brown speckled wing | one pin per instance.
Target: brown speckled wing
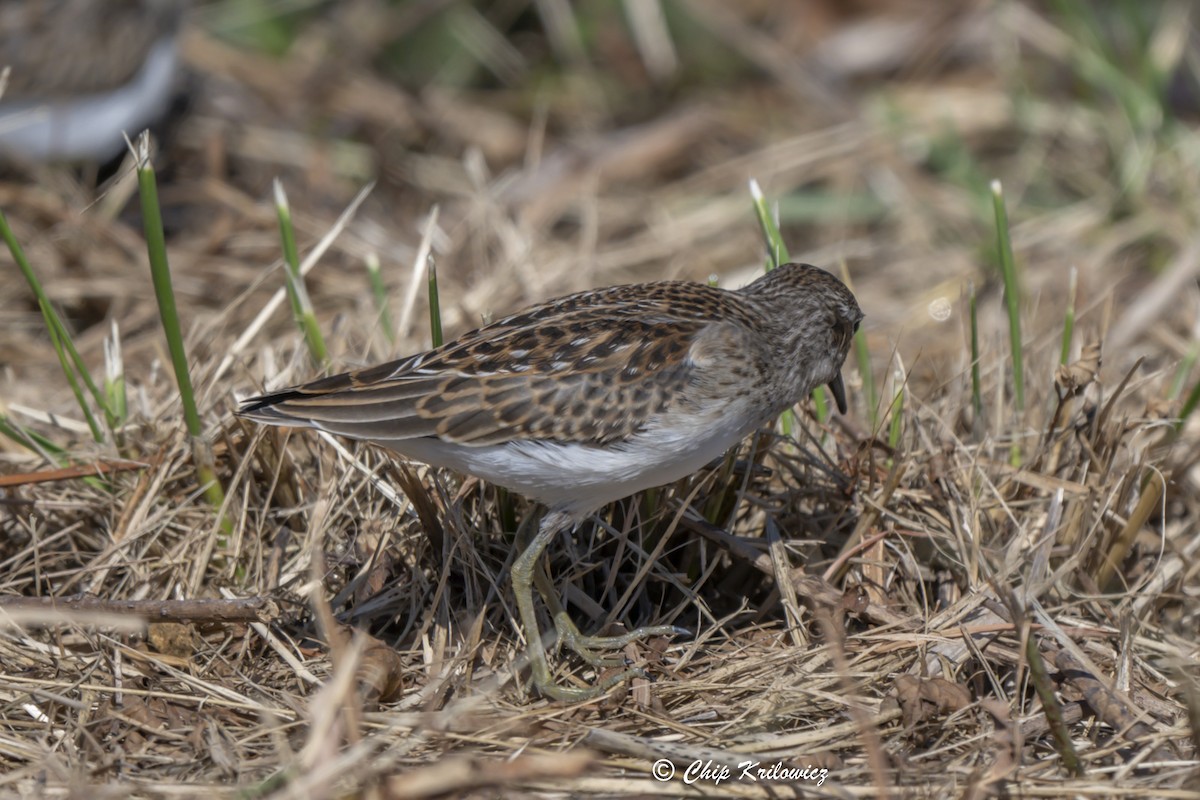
(600, 391)
(586, 368)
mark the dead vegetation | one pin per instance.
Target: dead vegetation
(948, 596)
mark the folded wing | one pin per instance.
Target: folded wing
(562, 384)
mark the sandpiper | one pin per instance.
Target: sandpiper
(83, 73)
(592, 397)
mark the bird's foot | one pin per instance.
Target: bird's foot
(585, 646)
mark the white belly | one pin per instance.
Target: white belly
(579, 478)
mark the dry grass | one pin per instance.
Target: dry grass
(918, 618)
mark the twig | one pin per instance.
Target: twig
(461, 774)
(69, 473)
(242, 609)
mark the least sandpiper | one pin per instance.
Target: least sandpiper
(82, 73)
(592, 397)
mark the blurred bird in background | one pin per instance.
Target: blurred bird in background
(81, 74)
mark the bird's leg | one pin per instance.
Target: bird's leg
(522, 579)
(526, 571)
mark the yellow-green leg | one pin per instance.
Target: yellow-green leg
(523, 577)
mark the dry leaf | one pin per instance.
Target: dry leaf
(923, 698)
(1073, 377)
(173, 638)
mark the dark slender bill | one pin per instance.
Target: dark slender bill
(839, 392)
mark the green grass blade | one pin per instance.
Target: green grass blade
(45, 448)
(1185, 368)
(821, 408)
(164, 292)
(302, 309)
(435, 305)
(68, 355)
(1012, 294)
(1044, 685)
(33, 441)
(1189, 405)
(976, 381)
(378, 291)
(1069, 317)
(863, 356)
(777, 252)
(73, 381)
(896, 410)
